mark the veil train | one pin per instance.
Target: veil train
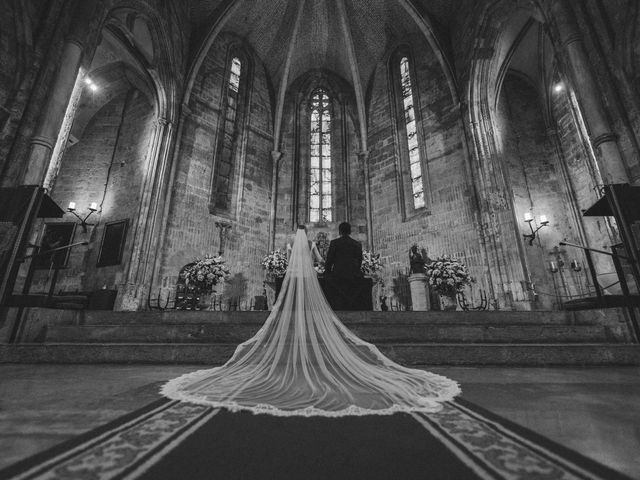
(305, 362)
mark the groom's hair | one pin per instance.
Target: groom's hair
(344, 228)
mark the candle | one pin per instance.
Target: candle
(543, 219)
(528, 217)
(72, 205)
(93, 206)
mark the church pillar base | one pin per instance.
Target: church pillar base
(419, 297)
(131, 298)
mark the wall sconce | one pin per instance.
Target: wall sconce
(83, 221)
(528, 218)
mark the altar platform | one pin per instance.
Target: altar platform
(589, 337)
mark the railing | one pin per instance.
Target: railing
(615, 257)
(190, 299)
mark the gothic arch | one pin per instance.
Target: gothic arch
(500, 26)
(163, 69)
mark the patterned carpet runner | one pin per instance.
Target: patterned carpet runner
(172, 440)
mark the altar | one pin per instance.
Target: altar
(355, 294)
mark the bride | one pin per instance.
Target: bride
(304, 361)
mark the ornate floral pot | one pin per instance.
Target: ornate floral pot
(448, 302)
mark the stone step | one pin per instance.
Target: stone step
(101, 317)
(236, 333)
(407, 354)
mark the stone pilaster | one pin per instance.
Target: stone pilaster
(275, 159)
(603, 139)
(363, 156)
(133, 293)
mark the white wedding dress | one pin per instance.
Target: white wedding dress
(305, 362)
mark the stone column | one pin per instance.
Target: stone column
(166, 208)
(53, 113)
(420, 300)
(610, 161)
(132, 292)
(275, 158)
(363, 156)
(345, 160)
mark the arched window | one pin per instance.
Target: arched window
(320, 194)
(411, 134)
(229, 137)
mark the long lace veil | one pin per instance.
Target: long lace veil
(304, 361)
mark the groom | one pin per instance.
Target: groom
(344, 285)
(344, 256)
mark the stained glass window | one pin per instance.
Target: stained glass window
(320, 164)
(224, 168)
(415, 162)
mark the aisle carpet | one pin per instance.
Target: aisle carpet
(173, 440)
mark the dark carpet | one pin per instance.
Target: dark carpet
(172, 440)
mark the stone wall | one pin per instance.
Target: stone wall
(584, 177)
(31, 40)
(448, 226)
(191, 231)
(537, 188)
(106, 166)
(347, 167)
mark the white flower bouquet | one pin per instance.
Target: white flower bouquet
(448, 276)
(206, 273)
(371, 263)
(276, 263)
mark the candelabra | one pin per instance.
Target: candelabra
(528, 218)
(83, 221)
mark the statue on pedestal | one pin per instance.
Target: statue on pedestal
(418, 280)
(418, 258)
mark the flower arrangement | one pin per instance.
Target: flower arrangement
(447, 276)
(371, 263)
(276, 263)
(206, 273)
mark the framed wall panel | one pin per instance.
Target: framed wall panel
(113, 239)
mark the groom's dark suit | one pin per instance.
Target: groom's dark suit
(344, 258)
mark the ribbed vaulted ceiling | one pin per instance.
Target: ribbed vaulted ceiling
(321, 41)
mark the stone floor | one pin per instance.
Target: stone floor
(595, 411)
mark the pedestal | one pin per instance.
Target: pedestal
(419, 293)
